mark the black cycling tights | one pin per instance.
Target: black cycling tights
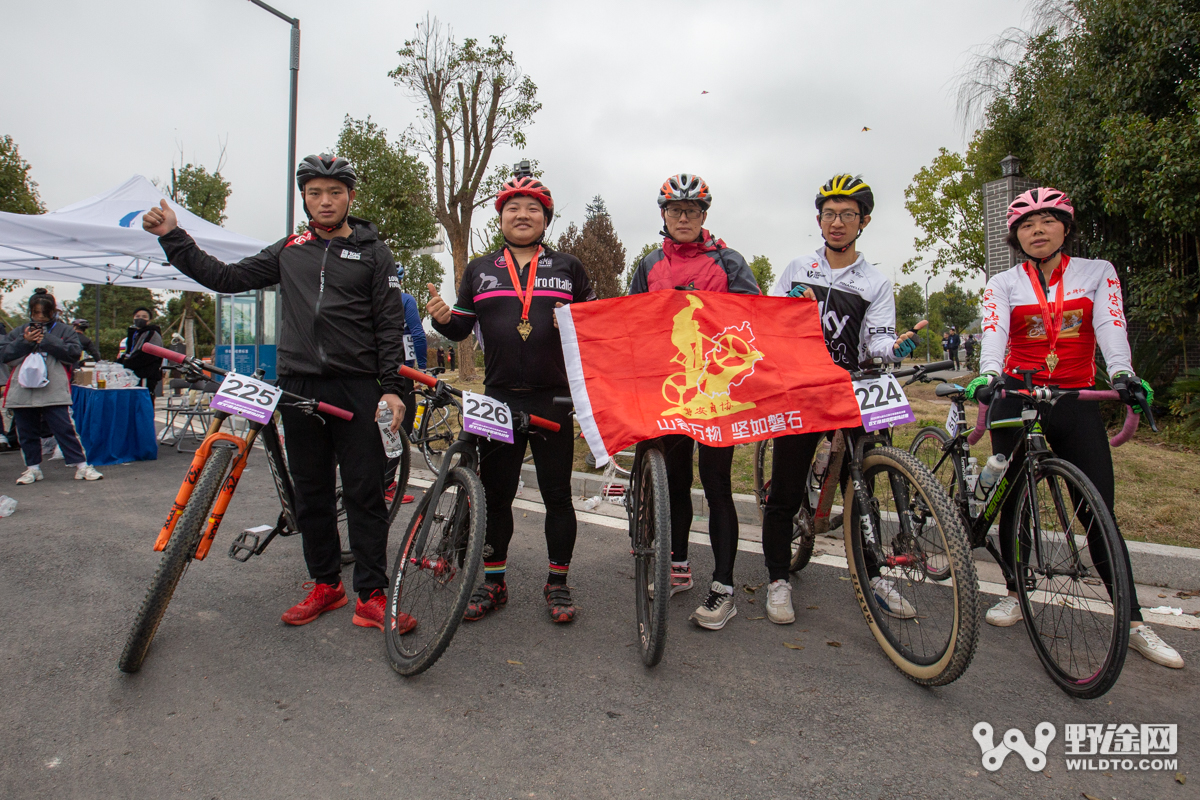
(553, 454)
(1075, 432)
(715, 466)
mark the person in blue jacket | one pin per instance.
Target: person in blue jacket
(415, 350)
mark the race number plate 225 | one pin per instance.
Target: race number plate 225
(246, 397)
(882, 403)
(487, 416)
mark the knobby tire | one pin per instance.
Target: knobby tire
(176, 557)
(652, 555)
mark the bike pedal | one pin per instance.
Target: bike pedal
(246, 544)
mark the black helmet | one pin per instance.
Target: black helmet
(79, 323)
(325, 166)
(851, 186)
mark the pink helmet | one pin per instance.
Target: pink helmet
(1043, 198)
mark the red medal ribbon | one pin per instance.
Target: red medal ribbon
(527, 298)
(1051, 320)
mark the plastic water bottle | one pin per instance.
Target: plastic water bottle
(392, 444)
(822, 462)
(971, 476)
(591, 503)
(7, 505)
(992, 471)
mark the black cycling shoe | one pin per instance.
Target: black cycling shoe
(558, 598)
(486, 598)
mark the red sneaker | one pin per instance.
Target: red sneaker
(371, 613)
(322, 598)
(408, 498)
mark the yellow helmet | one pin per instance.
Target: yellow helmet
(851, 186)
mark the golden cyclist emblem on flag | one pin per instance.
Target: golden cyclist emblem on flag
(713, 365)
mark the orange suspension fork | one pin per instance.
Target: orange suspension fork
(218, 512)
(193, 475)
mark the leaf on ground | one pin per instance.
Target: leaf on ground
(518, 663)
(813, 608)
(755, 617)
(791, 646)
(1088, 796)
(1180, 778)
(834, 644)
(614, 714)
(843, 578)
(751, 589)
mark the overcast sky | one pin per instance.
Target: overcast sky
(95, 92)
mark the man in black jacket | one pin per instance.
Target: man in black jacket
(144, 365)
(341, 342)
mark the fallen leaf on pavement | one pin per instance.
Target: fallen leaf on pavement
(842, 578)
(834, 644)
(813, 608)
(1180, 778)
(755, 617)
(1088, 796)
(518, 663)
(751, 589)
(791, 646)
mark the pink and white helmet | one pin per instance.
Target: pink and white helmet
(1042, 198)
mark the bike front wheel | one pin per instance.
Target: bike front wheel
(927, 627)
(178, 553)
(438, 431)
(651, 526)
(1072, 581)
(435, 572)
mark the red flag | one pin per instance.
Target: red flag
(720, 368)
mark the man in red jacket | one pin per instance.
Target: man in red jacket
(692, 258)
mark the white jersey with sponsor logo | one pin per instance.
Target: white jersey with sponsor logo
(858, 311)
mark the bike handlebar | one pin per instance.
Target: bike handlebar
(432, 382)
(180, 358)
(1132, 418)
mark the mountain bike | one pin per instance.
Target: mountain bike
(804, 532)
(204, 497)
(898, 522)
(1071, 583)
(441, 554)
(395, 479)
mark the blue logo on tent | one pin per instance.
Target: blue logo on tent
(128, 219)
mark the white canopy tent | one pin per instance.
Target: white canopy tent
(100, 240)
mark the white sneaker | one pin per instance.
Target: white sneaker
(1006, 613)
(30, 475)
(86, 472)
(890, 600)
(1146, 642)
(779, 603)
(716, 610)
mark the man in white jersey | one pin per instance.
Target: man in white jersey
(858, 317)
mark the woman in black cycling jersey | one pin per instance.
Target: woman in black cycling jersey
(512, 294)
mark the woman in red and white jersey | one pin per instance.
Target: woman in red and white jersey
(1050, 313)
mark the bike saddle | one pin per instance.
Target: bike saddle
(947, 389)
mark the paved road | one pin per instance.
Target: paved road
(233, 704)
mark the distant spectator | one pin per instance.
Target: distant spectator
(89, 347)
(954, 342)
(450, 355)
(41, 395)
(144, 365)
(970, 346)
(441, 358)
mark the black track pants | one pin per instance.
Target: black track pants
(553, 454)
(716, 464)
(315, 445)
(1075, 432)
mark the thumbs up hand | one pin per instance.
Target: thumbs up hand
(437, 308)
(160, 221)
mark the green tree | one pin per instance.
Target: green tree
(598, 247)
(18, 191)
(910, 305)
(761, 267)
(646, 250)
(203, 193)
(944, 201)
(959, 307)
(393, 187)
(117, 304)
(418, 272)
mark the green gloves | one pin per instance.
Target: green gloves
(981, 387)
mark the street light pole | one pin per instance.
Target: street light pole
(294, 65)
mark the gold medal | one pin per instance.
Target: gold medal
(524, 328)
(1052, 361)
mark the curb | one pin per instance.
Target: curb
(1153, 564)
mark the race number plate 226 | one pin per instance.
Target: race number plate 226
(487, 416)
(246, 397)
(882, 403)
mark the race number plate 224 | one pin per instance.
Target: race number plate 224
(246, 397)
(487, 416)
(882, 403)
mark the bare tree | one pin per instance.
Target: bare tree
(473, 99)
